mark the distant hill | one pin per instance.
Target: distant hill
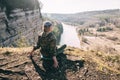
(85, 17)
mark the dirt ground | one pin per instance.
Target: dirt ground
(15, 64)
(107, 42)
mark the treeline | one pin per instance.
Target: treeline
(91, 18)
(58, 30)
(104, 29)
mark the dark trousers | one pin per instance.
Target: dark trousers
(48, 64)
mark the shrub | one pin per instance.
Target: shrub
(101, 29)
(104, 29)
(109, 28)
(83, 31)
(85, 40)
(21, 42)
(112, 38)
(113, 58)
(58, 30)
(7, 53)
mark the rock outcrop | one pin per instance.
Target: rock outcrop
(20, 22)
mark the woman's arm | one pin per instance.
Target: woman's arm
(38, 43)
(31, 52)
(55, 62)
(53, 52)
(36, 47)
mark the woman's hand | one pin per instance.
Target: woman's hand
(55, 65)
(31, 53)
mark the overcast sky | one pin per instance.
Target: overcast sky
(74, 6)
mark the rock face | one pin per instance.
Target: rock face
(20, 22)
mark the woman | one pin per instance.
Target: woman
(47, 43)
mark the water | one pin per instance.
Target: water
(70, 36)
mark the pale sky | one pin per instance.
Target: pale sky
(74, 6)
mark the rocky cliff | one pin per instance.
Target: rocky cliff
(20, 22)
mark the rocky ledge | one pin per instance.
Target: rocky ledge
(15, 64)
(20, 22)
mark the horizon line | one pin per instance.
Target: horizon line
(78, 12)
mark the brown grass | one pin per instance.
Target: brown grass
(15, 50)
(100, 58)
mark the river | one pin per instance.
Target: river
(69, 36)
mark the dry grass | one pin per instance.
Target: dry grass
(113, 38)
(15, 50)
(100, 58)
(103, 61)
(84, 40)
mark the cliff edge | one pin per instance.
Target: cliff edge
(20, 22)
(77, 64)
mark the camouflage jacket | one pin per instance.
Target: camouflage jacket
(47, 44)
